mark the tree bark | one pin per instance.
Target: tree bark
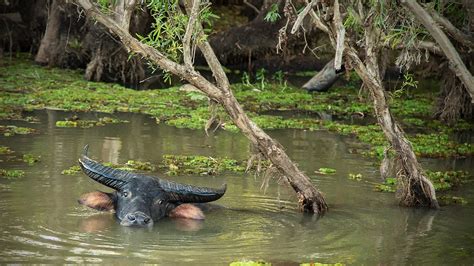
(310, 199)
(416, 189)
(455, 61)
(50, 42)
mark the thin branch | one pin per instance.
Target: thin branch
(318, 22)
(456, 64)
(430, 46)
(211, 59)
(252, 6)
(340, 35)
(302, 15)
(193, 16)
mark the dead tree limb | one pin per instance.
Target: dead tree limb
(457, 34)
(309, 198)
(456, 64)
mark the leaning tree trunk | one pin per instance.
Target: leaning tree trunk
(50, 44)
(415, 188)
(455, 62)
(310, 199)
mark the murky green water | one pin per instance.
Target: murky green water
(41, 221)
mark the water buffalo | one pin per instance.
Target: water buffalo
(139, 199)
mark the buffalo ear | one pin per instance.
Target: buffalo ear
(187, 211)
(98, 200)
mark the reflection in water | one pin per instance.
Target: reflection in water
(41, 222)
(96, 222)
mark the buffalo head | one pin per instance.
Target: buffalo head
(140, 199)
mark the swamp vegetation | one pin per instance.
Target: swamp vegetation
(208, 92)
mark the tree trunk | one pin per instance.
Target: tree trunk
(310, 199)
(414, 188)
(50, 44)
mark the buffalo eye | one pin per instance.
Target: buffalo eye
(125, 194)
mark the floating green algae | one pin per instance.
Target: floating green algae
(10, 130)
(199, 165)
(89, 123)
(5, 150)
(11, 174)
(71, 170)
(326, 171)
(31, 159)
(451, 200)
(442, 181)
(26, 86)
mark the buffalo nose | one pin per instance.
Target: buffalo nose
(146, 220)
(131, 217)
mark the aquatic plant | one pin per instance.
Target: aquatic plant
(451, 200)
(65, 89)
(71, 170)
(442, 181)
(199, 165)
(250, 263)
(10, 130)
(326, 171)
(356, 177)
(11, 174)
(89, 123)
(5, 150)
(31, 159)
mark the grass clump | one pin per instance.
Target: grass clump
(199, 165)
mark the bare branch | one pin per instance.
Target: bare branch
(457, 34)
(302, 15)
(318, 22)
(340, 35)
(211, 59)
(430, 46)
(193, 15)
(456, 64)
(252, 6)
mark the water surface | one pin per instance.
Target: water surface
(41, 221)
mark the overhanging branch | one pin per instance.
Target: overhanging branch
(456, 64)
